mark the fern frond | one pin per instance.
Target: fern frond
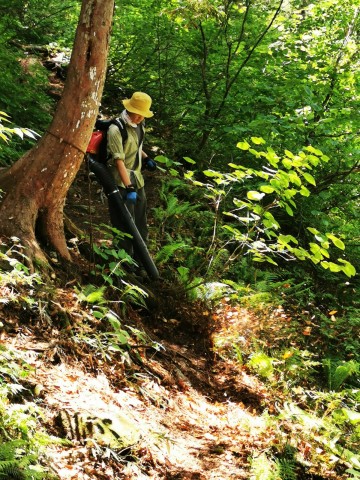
(10, 470)
(286, 469)
(168, 251)
(8, 450)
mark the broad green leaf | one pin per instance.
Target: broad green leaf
(284, 178)
(189, 160)
(289, 154)
(311, 149)
(243, 145)
(276, 183)
(313, 230)
(114, 322)
(304, 191)
(286, 239)
(313, 160)
(241, 203)
(257, 140)
(288, 209)
(269, 218)
(162, 159)
(314, 247)
(336, 241)
(271, 156)
(289, 193)
(309, 178)
(210, 173)
(122, 337)
(333, 267)
(320, 238)
(255, 152)
(234, 165)
(254, 195)
(324, 252)
(294, 178)
(301, 253)
(316, 258)
(270, 260)
(267, 189)
(348, 268)
(287, 163)
(352, 415)
(258, 209)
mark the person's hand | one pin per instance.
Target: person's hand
(150, 164)
(131, 195)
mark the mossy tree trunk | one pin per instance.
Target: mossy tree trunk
(35, 187)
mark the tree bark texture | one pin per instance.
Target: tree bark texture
(35, 187)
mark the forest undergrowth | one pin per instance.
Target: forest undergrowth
(219, 385)
(242, 360)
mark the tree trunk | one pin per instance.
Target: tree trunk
(36, 185)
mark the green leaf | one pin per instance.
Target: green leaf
(271, 156)
(243, 145)
(314, 247)
(189, 160)
(309, 178)
(237, 167)
(96, 296)
(305, 192)
(333, 267)
(287, 163)
(270, 260)
(287, 238)
(211, 173)
(294, 178)
(288, 209)
(267, 189)
(313, 160)
(289, 154)
(255, 152)
(313, 230)
(114, 321)
(257, 140)
(348, 268)
(324, 252)
(254, 195)
(311, 149)
(336, 241)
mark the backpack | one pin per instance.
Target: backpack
(98, 142)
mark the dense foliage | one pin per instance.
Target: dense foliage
(257, 131)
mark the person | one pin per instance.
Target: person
(126, 161)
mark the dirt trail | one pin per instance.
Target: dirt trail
(198, 419)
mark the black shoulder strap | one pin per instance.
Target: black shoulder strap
(121, 126)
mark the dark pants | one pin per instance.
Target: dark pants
(137, 211)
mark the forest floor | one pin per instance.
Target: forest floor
(199, 414)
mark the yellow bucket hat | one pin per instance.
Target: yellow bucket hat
(139, 103)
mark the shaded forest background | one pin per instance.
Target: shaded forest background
(220, 74)
(256, 133)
